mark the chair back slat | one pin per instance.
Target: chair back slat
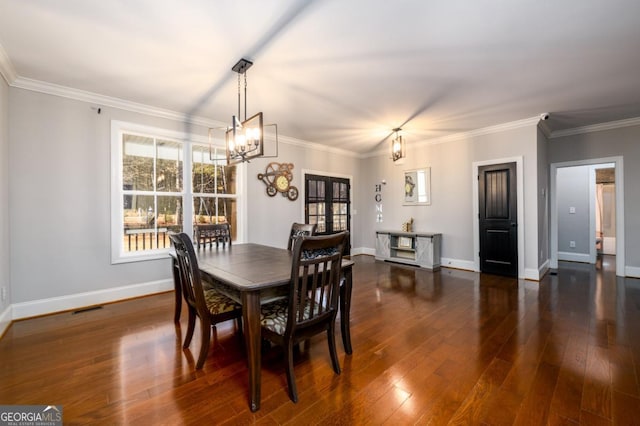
(315, 280)
(210, 233)
(300, 229)
(191, 281)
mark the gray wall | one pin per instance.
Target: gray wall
(59, 201)
(451, 211)
(60, 198)
(270, 218)
(609, 143)
(5, 280)
(572, 189)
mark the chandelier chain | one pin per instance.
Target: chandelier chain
(239, 97)
(245, 95)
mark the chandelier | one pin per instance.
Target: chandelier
(397, 145)
(244, 140)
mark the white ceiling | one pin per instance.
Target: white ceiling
(342, 73)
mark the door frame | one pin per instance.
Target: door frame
(475, 169)
(553, 241)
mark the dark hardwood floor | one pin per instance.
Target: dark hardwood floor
(451, 347)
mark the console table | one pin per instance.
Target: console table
(412, 248)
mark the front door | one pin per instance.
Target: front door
(498, 219)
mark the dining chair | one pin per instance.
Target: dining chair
(209, 233)
(207, 304)
(312, 305)
(300, 229)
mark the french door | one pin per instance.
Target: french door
(328, 204)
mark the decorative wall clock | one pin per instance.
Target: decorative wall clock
(278, 177)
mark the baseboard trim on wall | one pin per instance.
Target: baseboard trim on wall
(5, 320)
(363, 250)
(74, 301)
(632, 271)
(467, 265)
(543, 269)
(574, 257)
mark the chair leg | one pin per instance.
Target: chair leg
(291, 379)
(205, 328)
(239, 324)
(331, 336)
(191, 325)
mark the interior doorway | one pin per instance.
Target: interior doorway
(605, 209)
(616, 215)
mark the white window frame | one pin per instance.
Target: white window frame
(118, 128)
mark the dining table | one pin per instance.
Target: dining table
(254, 274)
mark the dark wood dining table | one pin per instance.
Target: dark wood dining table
(251, 274)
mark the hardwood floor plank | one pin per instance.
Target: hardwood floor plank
(446, 347)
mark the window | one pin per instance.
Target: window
(152, 193)
(214, 189)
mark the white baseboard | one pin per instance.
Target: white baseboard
(5, 320)
(542, 269)
(574, 257)
(363, 250)
(632, 272)
(467, 265)
(80, 300)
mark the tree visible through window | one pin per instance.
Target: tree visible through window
(152, 191)
(150, 197)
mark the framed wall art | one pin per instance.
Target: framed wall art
(417, 187)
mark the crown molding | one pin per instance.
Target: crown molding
(467, 135)
(7, 70)
(596, 127)
(108, 101)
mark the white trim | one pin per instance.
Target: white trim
(596, 127)
(5, 319)
(7, 70)
(522, 273)
(543, 269)
(531, 274)
(465, 135)
(467, 265)
(109, 101)
(632, 271)
(363, 250)
(620, 233)
(574, 257)
(188, 140)
(80, 300)
(592, 216)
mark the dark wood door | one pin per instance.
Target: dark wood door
(498, 219)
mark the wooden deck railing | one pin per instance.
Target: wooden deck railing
(137, 238)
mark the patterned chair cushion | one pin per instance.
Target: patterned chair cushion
(274, 315)
(312, 254)
(218, 303)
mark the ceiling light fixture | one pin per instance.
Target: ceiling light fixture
(397, 145)
(244, 140)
